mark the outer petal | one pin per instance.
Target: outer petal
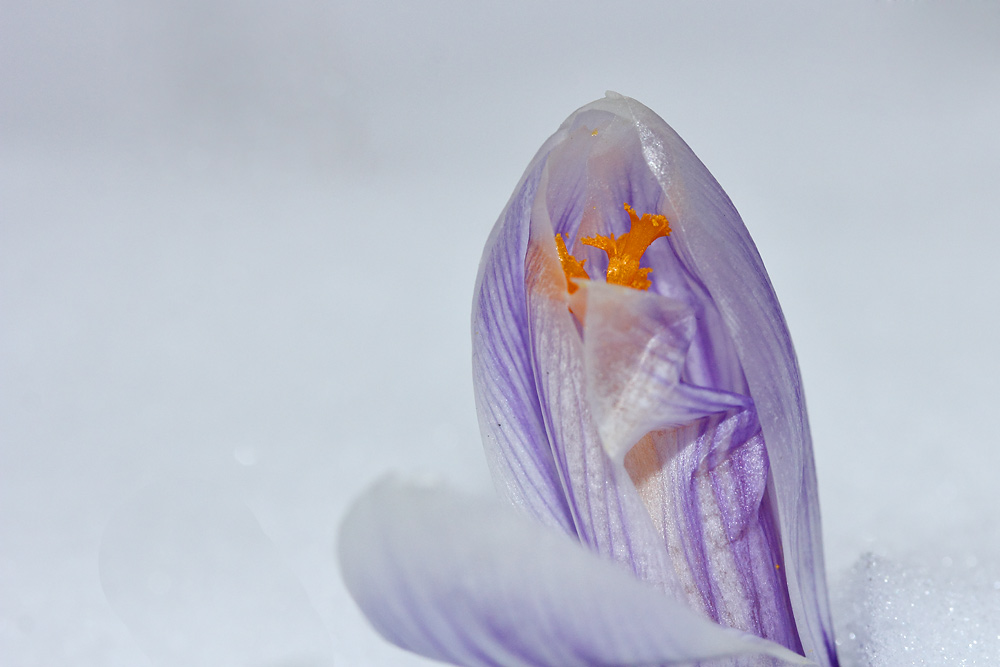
(510, 417)
(463, 580)
(710, 236)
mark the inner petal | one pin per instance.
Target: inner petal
(705, 487)
(635, 348)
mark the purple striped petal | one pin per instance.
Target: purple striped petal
(510, 416)
(466, 581)
(711, 236)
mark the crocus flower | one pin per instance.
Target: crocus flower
(640, 401)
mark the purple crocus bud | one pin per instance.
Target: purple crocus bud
(640, 400)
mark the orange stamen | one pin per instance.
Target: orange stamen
(624, 253)
(571, 266)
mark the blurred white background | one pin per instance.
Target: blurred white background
(238, 242)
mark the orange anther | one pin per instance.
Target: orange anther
(624, 253)
(571, 266)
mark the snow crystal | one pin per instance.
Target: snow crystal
(892, 613)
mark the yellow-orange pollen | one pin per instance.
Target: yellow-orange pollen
(623, 253)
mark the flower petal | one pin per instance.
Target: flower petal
(706, 488)
(461, 579)
(710, 237)
(635, 347)
(700, 464)
(510, 419)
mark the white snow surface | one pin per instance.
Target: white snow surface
(237, 248)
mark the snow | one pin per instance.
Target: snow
(237, 249)
(910, 613)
